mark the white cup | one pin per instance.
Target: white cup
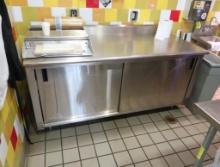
(46, 28)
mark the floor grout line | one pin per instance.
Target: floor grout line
(130, 126)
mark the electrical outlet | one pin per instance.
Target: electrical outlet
(73, 12)
(133, 15)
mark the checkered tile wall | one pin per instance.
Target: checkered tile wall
(11, 133)
(93, 11)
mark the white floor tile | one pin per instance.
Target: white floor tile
(121, 123)
(157, 137)
(102, 149)
(126, 132)
(69, 142)
(144, 118)
(53, 145)
(73, 164)
(132, 142)
(107, 161)
(99, 137)
(199, 138)
(67, 132)
(174, 161)
(201, 127)
(37, 137)
(192, 130)
(108, 125)
(138, 129)
(53, 134)
(117, 145)
(137, 155)
(169, 134)
(35, 161)
(190, 142)
(84, 140)
(96, 127)
(113, 134)
(36, 148)
(71, 155)
(152, 152)
(159, 162)
(177, 145)
(144, 140)
(87, 152)
(156, 117)
(150, 127)
(165, 148)
(162, 125)
(176, 113)
(54, 158)
(133, 121)
(122, 158)
(90, 163)
(181, 132)
(84, 129)
(187, 157)
(193, 119)
(184, 121)
(143, 164)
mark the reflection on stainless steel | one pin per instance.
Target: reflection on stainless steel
(127, 66)
(112, 43)
(210, 111)
(80, 90)
(148, 85)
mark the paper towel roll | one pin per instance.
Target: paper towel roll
(4, 71)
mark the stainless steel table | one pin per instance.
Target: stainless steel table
(211, 111)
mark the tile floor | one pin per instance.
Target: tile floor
(141, 141)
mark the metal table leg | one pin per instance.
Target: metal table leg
(205, 146)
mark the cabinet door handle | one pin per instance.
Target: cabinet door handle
(44, 75)
(192, 63)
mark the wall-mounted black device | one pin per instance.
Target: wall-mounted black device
(197, 10)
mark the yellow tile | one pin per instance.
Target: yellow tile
(154, 15)
(81, 3)
(110, 15)
(17, 2)
(181, 17)
(75, 3)
(152, 4)
(144, 16)
(210, 15)
(99, 15)
(10, 155)
(50, 3)
(122, 15)
(44, 12)
(141, 4)
(30, 14)
(129, 4)
(162, 4)
(117, 4)
(5, 111)
(65, 3)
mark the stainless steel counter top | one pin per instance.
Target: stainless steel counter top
(210, 111)
(124, 43)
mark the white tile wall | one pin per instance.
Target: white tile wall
(16, 14)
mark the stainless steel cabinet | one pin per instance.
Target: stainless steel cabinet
(153, 84)
(79, 91)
